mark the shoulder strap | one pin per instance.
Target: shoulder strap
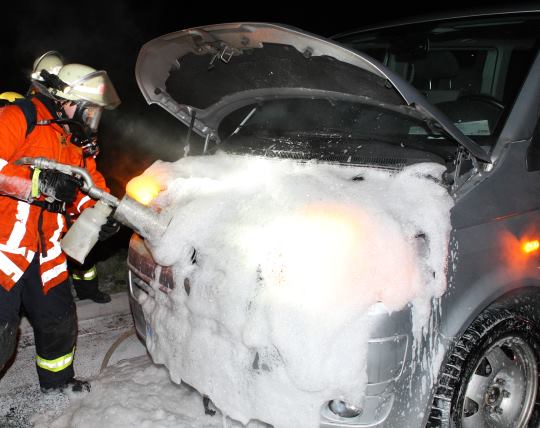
(30, 113)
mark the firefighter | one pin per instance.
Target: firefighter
(83, 277)
(68, 102)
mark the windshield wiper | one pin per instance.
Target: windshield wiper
(241, 125)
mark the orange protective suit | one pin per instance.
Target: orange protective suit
(20, 227)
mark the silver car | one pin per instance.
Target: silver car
(472, 83)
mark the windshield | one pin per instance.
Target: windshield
(471, 69)
(332, 130)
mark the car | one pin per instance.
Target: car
(462, 91)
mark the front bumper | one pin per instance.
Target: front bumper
(388, 353)
(389, 347)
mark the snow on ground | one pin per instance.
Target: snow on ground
(280, 263)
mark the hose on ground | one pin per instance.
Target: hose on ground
(113, 347)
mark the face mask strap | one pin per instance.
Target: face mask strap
(81, 133)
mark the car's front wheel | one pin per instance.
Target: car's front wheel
(490, 378)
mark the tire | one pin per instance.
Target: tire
(490, 377)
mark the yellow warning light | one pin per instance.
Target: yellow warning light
(143, 189)
(530, 246)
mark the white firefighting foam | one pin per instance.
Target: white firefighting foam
(283, 262)
(133, 393)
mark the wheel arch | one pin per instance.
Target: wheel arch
(458, 312)
(520, 296)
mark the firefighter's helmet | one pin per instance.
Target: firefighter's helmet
(84, 83)
(85, 87)
(74, 82)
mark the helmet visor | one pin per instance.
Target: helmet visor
(95, 88)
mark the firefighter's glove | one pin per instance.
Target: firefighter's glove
(109, 228)
(57, 185)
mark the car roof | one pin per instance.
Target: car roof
(476, 12)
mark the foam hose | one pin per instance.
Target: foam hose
(114, 346)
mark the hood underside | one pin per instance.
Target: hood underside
(200, 75)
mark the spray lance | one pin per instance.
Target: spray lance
(83, 234)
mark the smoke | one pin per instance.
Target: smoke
(131, 141)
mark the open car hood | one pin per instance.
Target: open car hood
(200, 75)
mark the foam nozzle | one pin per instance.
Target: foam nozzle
(84, 233)
(142, 219)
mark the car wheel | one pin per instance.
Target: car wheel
(490, 377)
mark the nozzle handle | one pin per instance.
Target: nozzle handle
(88, 186)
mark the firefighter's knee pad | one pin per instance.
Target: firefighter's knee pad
(56, 334)
(8, 336)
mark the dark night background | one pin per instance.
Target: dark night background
(108, 36)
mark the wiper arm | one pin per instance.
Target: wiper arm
(241, 125)
(440, 122)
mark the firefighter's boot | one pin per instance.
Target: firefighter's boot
(72, 385)
(86, 285)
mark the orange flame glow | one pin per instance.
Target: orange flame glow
(517, 250)
(143, 189)
(530, 246)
